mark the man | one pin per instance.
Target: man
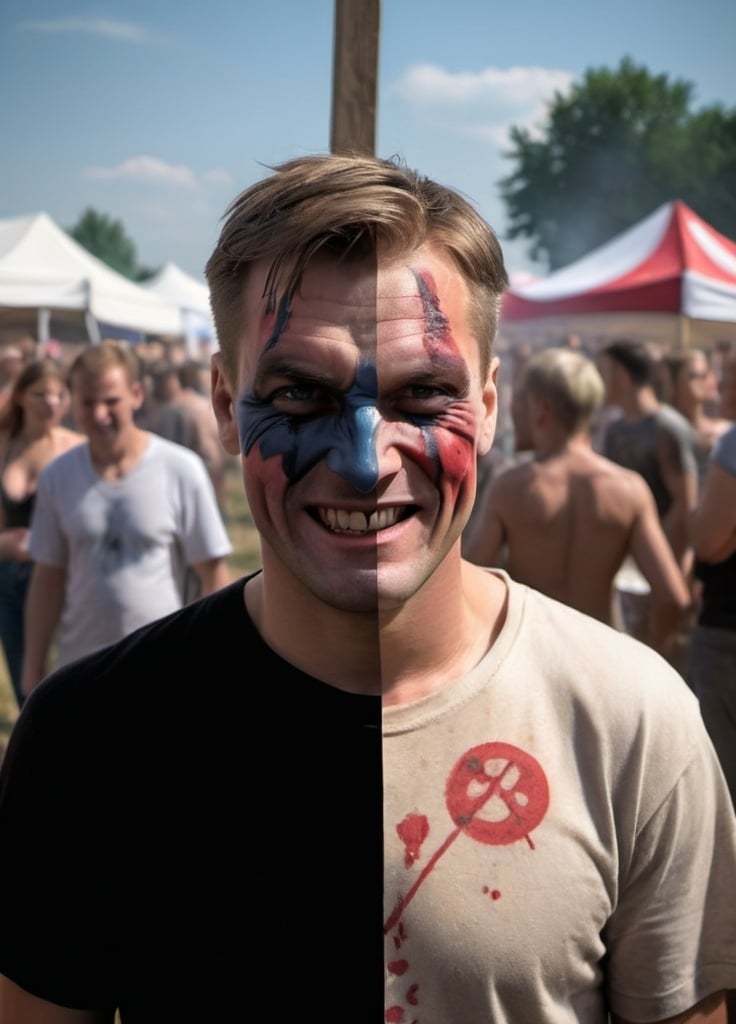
(116, 522)
(651, 438)
(570, 517)
(223, 845)
(200, 407)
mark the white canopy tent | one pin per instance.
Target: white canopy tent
(44, 273)
(192, 297)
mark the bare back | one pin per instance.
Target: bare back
(568, 522)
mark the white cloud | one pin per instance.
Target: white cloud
(146, 169)
(106, 28)
(482, 104)
(218, 176)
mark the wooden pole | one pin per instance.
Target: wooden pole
(354, 77)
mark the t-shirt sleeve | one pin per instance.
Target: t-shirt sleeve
(672, 937)
(56, 857)
(675, 442)
(203, 532)
(47, 542)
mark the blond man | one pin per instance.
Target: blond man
(567, 519)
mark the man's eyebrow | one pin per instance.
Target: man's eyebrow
(293, 369)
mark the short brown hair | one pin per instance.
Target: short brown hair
(348, 206)
(108, 355)
(636, 358)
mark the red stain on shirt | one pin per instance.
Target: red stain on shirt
(412, 831)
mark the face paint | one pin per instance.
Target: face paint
(437, 328)
(282, 318)
(439, 344)
(345, 438)
(359, 415)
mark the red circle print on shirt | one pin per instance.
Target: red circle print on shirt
(497, 793)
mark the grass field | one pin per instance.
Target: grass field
(245, 558)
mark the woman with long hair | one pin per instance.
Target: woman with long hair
(31, 435)
(692, 389)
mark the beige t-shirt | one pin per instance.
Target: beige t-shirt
(558, 837)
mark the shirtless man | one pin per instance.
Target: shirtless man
(570, 517)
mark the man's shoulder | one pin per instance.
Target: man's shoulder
(69, 461)
(602, 662)
(173, 455)
(513, 476)
(177, 656)
(628, 485)
(668, 418)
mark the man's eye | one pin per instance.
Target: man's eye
(300, 393)
(425, 391)
(303, 399)
(423, 395)
(422, 399)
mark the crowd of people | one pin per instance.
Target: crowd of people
(619, 505)
(126, 524)
(394, 774)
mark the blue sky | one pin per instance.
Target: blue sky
(159, 112)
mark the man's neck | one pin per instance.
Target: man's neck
(556, 442)
(640, 402)
(401, 653)
(114, 460)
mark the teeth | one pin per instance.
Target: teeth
(358, 522)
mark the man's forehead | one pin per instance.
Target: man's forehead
(359, 294)
(113, 377)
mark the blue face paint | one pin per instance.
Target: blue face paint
(281, 319)
(345, 438)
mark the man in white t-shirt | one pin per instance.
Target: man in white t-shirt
(556, 843)
(115, 527)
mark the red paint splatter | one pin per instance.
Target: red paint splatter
(411, 996)
(412, 831)
(400, 933)
(398, 967)
(394, 1015)
(498, 773)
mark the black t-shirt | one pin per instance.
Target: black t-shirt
(190, 829)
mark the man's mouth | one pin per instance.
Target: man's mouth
(341, 520)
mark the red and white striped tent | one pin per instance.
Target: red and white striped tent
(670, 278)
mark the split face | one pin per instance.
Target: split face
(359, 413)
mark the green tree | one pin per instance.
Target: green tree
(618, 145)
(108, 240)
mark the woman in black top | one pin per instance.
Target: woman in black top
(31, 435)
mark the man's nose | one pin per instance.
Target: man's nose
(352, 455)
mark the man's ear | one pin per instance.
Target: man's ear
(490, 403)
(139, 394)
(224, 405)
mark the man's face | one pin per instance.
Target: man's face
(360, 411)
(103, 405)
(696, 379)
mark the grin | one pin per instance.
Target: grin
(340, 520)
